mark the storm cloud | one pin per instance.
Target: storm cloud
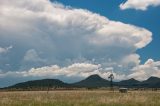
(47, 34)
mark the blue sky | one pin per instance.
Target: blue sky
(73, 39)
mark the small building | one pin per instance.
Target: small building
(123, 90)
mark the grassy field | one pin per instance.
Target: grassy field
(80, 98)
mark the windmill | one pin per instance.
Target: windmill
(111, 77)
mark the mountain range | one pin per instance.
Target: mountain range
(93, 81)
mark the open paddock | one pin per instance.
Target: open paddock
(80, 98)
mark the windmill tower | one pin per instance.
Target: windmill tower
(111, 77)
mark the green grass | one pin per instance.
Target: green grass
(79, 98)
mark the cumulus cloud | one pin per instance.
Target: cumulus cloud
(70, 74)
(62, 33)
(4, 50)
(79, 71)
(139, 4)
(32, 55)
(45, 33)
(150, 68)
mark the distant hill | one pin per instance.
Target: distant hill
(128, 83)
(93, 81)
(44, 83)
(152, 82)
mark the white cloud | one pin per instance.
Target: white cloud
(139, 4)
(79, 71)
(150, 68)
(4, 50)
(32, 55)
(63, 33)
(71, 73)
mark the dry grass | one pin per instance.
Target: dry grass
(79, 98)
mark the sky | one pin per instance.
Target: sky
(73, 39)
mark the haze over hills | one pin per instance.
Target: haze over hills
(93, 81)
